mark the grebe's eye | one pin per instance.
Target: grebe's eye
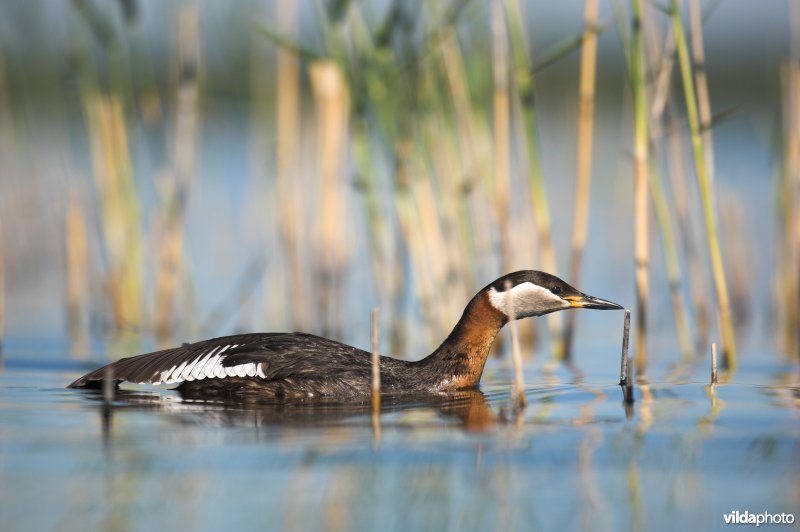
(556, 290)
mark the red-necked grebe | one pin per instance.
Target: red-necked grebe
(298, 366)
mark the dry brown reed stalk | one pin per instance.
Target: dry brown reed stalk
(734, 237)
(699, 301)
(706, 193)
(177, 184)
(583, 176)
(376, 364)
(452, 230)
(77, 279)
(713, 363)
(663, 82)
(468, 159)
(518, 389)
(664, 57)
(701, 80)
(641, 195)
(787, 307)
(501, 128)
(331, 96)
(432, 264)
(121, 222)
(541, 211)
(787, 285)
(287, 153)
(674, 277)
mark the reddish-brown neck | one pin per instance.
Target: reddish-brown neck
(458, 362)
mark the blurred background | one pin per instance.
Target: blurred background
(171, 171)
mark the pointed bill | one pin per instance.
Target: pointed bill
(585, 301)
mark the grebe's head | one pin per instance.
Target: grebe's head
(529, 293)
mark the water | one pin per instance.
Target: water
(571, 460)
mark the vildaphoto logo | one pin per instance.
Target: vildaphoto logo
(764, 518)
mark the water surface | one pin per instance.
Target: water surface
(572, 459)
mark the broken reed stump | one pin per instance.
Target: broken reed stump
(626, 365)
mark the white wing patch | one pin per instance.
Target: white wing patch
(208, 365)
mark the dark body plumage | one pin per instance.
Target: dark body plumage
(276, 367)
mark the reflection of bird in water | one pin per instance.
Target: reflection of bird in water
(470, 407)
(284, 367)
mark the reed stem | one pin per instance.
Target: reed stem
(179, 181)
(661, 208)
(287, 155)
(121, 215)
(706, 193)
(77, 279)
(698, 298)
(701, 81)
(713, 363)
(518, 389)
(583, 176)
(787, 285)
(624, 370)
(376, 363)
(792, 193)
(331, 96)
(523, 73)
(641, 214)
(663, 56)
(501, 128)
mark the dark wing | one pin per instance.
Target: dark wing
(264, 355)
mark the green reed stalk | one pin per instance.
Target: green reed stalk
(701, 82)
(583, 177)
(641, 215)
(706, 192)
(541, 211)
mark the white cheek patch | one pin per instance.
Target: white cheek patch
(525, 299)
(208, 365)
